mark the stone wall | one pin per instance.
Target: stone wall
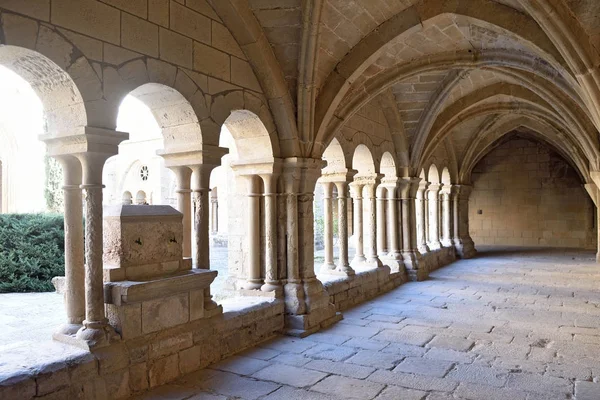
(529, 195)
(132, 366)
(345, 292)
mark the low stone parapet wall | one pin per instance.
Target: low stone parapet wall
(438, 258)
(347, 291)
(132, 366)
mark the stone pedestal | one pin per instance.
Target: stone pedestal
(149, 286)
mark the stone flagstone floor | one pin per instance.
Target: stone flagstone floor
(512, 324)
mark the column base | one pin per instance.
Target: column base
(95, 334)
(374, 261)
(423, 248)
(273, 287)
(68, 329)
(465, 248)
(417, 275)
(253, 284)
(342, 271)
(411, 259)
(358, 261)
(327, 268)
(434, 246)
(308, 308)
(447, 243)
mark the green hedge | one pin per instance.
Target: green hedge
(31, 252)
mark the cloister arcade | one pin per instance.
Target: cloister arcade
(395, 131)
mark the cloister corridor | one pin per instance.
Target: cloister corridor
(512, 323)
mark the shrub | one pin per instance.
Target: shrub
(31, 251)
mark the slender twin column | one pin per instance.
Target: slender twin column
(421, 212)
(434, 230)
(272, 282)
(95, 331)
(373, 258)
(200, 194)
(74, 257)
(410, 253)
(359, 256)
(343, 266)
(253, 280)
(184, 205)
(328, 264)
(393, 225)
(381, 222)
(446, 216)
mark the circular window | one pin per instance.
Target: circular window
(144, 173)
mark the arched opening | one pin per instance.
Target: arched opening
(526, 194)
(127, 198)
(240, 193)
(362, 188)
(433, 208)
(38, 101)
(331, 194)
(151, 114)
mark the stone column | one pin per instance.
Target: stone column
(381, 225)
(446, 216)
(395, 256)
(359, 256)
(410, 253)
(200, 194)
(373, 258)
(96, 331)
(74, 257)
(343, 266)
(272, 282)
(253, 280)
(328, 265)
(434, 218)
(307, 307)
(184, 205)
(214, 212)
(421, 212)
(465, 247)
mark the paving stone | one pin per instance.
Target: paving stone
(406, 350)
(259, 353)
(418, 382)
(424, 366)
(417, 339)
(241, 365)
(366, 344)
(587, 390)
(540, 384)
(330, 352)
(329, 338)
(340, 368)
(385, 318)
(289, 375)
(451, 343)
(351, 331)
(289, 393)
(288, 344)
(478, 374)
(449, 355)
(480, 392)
(349, 387)
(397, 393)
(297, 360)
(229, 384)
(377, 360)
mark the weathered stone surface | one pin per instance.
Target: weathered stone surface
(348, 387)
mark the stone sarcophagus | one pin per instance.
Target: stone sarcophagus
(148, 285)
